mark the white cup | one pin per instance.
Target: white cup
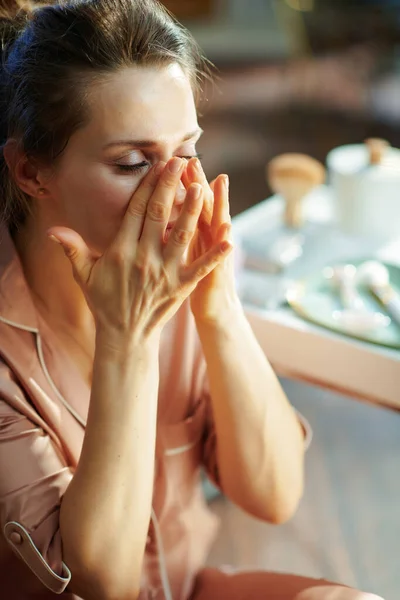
(367, 195)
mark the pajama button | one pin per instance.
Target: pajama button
(15, 538)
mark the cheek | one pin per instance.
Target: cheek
(94, 200)
(108, 194)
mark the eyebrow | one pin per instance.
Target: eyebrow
(151, 143)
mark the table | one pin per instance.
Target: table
(301, 350)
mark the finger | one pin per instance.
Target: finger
(185, 227)
(186, 179)
(196, 174)
(225, 233)
(206, 239)
(208, 262)
(132, 224)
(160, 204)
(81, 257)
(221, 202)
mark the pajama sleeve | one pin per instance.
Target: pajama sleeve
(33, 478)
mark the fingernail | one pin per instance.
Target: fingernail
(197, 165)
(196, 191)
(225, 246)
(226, 181)
(54, 239)
(175, 165)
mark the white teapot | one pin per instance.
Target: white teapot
(366, 183)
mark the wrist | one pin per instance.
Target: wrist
(115, 344)
(227, 316)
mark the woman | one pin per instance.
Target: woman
(127, 361)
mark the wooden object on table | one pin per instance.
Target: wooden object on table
(377, 148)
(293, 176)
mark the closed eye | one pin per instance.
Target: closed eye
(139, 167)
(133, 168)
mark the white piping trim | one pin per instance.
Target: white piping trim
(181, 449)
(44, 367)
(53, 385)
(161, 556)
(18, 326)
(64, 580)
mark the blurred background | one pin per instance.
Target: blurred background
(308, 76)
(294, 75)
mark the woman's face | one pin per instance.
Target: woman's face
(139, 116)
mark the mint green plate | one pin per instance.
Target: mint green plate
(315, 300)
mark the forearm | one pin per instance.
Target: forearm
(260, 442)
(106, 510)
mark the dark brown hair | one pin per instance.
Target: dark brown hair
(51, 52)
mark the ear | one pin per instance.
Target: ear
(24, 171)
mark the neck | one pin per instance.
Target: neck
(55, 292)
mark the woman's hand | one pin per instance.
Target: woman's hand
(140, 281)
(215, 295)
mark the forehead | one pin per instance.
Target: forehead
(148, 103)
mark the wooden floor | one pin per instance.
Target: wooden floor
(347, 528)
